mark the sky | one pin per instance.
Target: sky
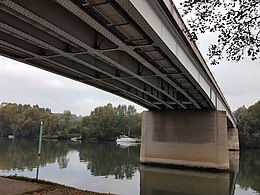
(21, 83)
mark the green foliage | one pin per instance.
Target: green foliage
(24, 121)
(108, 122)
(237, 24)
(104, 122)
(248, 121)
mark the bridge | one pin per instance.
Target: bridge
(139, 50)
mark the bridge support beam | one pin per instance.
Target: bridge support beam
(233, 141)
(186, 138)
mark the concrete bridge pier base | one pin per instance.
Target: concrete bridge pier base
(188, 138)
(233, 141)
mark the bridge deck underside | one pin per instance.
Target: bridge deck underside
(98, 43)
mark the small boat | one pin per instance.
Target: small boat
(76, 138)
(124, 138)
(11, 136)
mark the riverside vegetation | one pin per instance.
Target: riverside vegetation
(103, 123)
(248, 122)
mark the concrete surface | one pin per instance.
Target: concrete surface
(233, 141)
(189, 138)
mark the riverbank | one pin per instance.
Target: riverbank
(22, 185)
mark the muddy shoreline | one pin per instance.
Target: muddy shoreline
(23, 185)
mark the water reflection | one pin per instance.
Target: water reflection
(108, 167)
(101, 159)
(21, 154)
(165, 181)
(106, 159)
(249, 173)
(38, 167)
(174, 181)
(126, 144)
(234, 169)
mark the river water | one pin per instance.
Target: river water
(108, 167)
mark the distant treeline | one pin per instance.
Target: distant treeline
(105, 122)
(248, 122)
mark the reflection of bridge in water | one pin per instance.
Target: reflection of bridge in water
(135, 49)
(155, 180)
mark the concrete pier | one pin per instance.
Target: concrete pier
(233, 141)
(189, 138)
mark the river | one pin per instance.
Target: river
(108, 167)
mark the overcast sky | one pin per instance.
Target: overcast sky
(21, 83)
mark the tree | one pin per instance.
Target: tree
(8, 118)
(237, 23)
(103, 120)
(121, 112)
(134, 124)
(24, 121)
(248, 122)
(67, 119)
(108, 122)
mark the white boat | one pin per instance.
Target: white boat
(76, 138)
(124, 138)
(11, 136)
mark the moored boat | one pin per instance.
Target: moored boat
(124, 138)
(11, 136)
